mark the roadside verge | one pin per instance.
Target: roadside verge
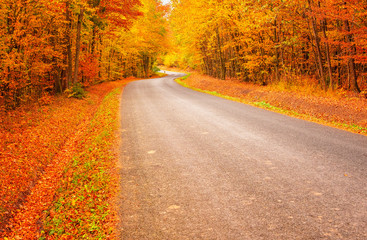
(59, 168)
(340, 111)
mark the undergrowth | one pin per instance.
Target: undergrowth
(77, 91)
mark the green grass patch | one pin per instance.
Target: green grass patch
(185, 77)
(214, 93)
(160, 74)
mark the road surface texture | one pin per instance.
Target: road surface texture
(195, 166)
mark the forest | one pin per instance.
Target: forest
(298, 42)
(48, 46)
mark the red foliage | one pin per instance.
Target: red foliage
(120, 12)
(89, 68)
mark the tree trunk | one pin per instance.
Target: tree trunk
(331, 82)
(69, 69)
(222, 65)
(351, 63)
(276, 41)
(93, 44)
(318, 48)
(77, 44)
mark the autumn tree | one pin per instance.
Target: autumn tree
(270, 41)
(49, 46)
(134, 52)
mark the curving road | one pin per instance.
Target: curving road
(195, 166)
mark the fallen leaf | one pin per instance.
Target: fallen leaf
(174, 207)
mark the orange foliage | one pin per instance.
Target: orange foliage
(42, 43)
(266, 41)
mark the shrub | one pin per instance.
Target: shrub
(76, 91)
(156, 69)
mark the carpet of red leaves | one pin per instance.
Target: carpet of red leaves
(37, 143)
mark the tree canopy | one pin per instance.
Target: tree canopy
(266, 41)
(49, 46)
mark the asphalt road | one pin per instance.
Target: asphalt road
(195, 166)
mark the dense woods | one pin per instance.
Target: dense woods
(48, 46)
(297, 42)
